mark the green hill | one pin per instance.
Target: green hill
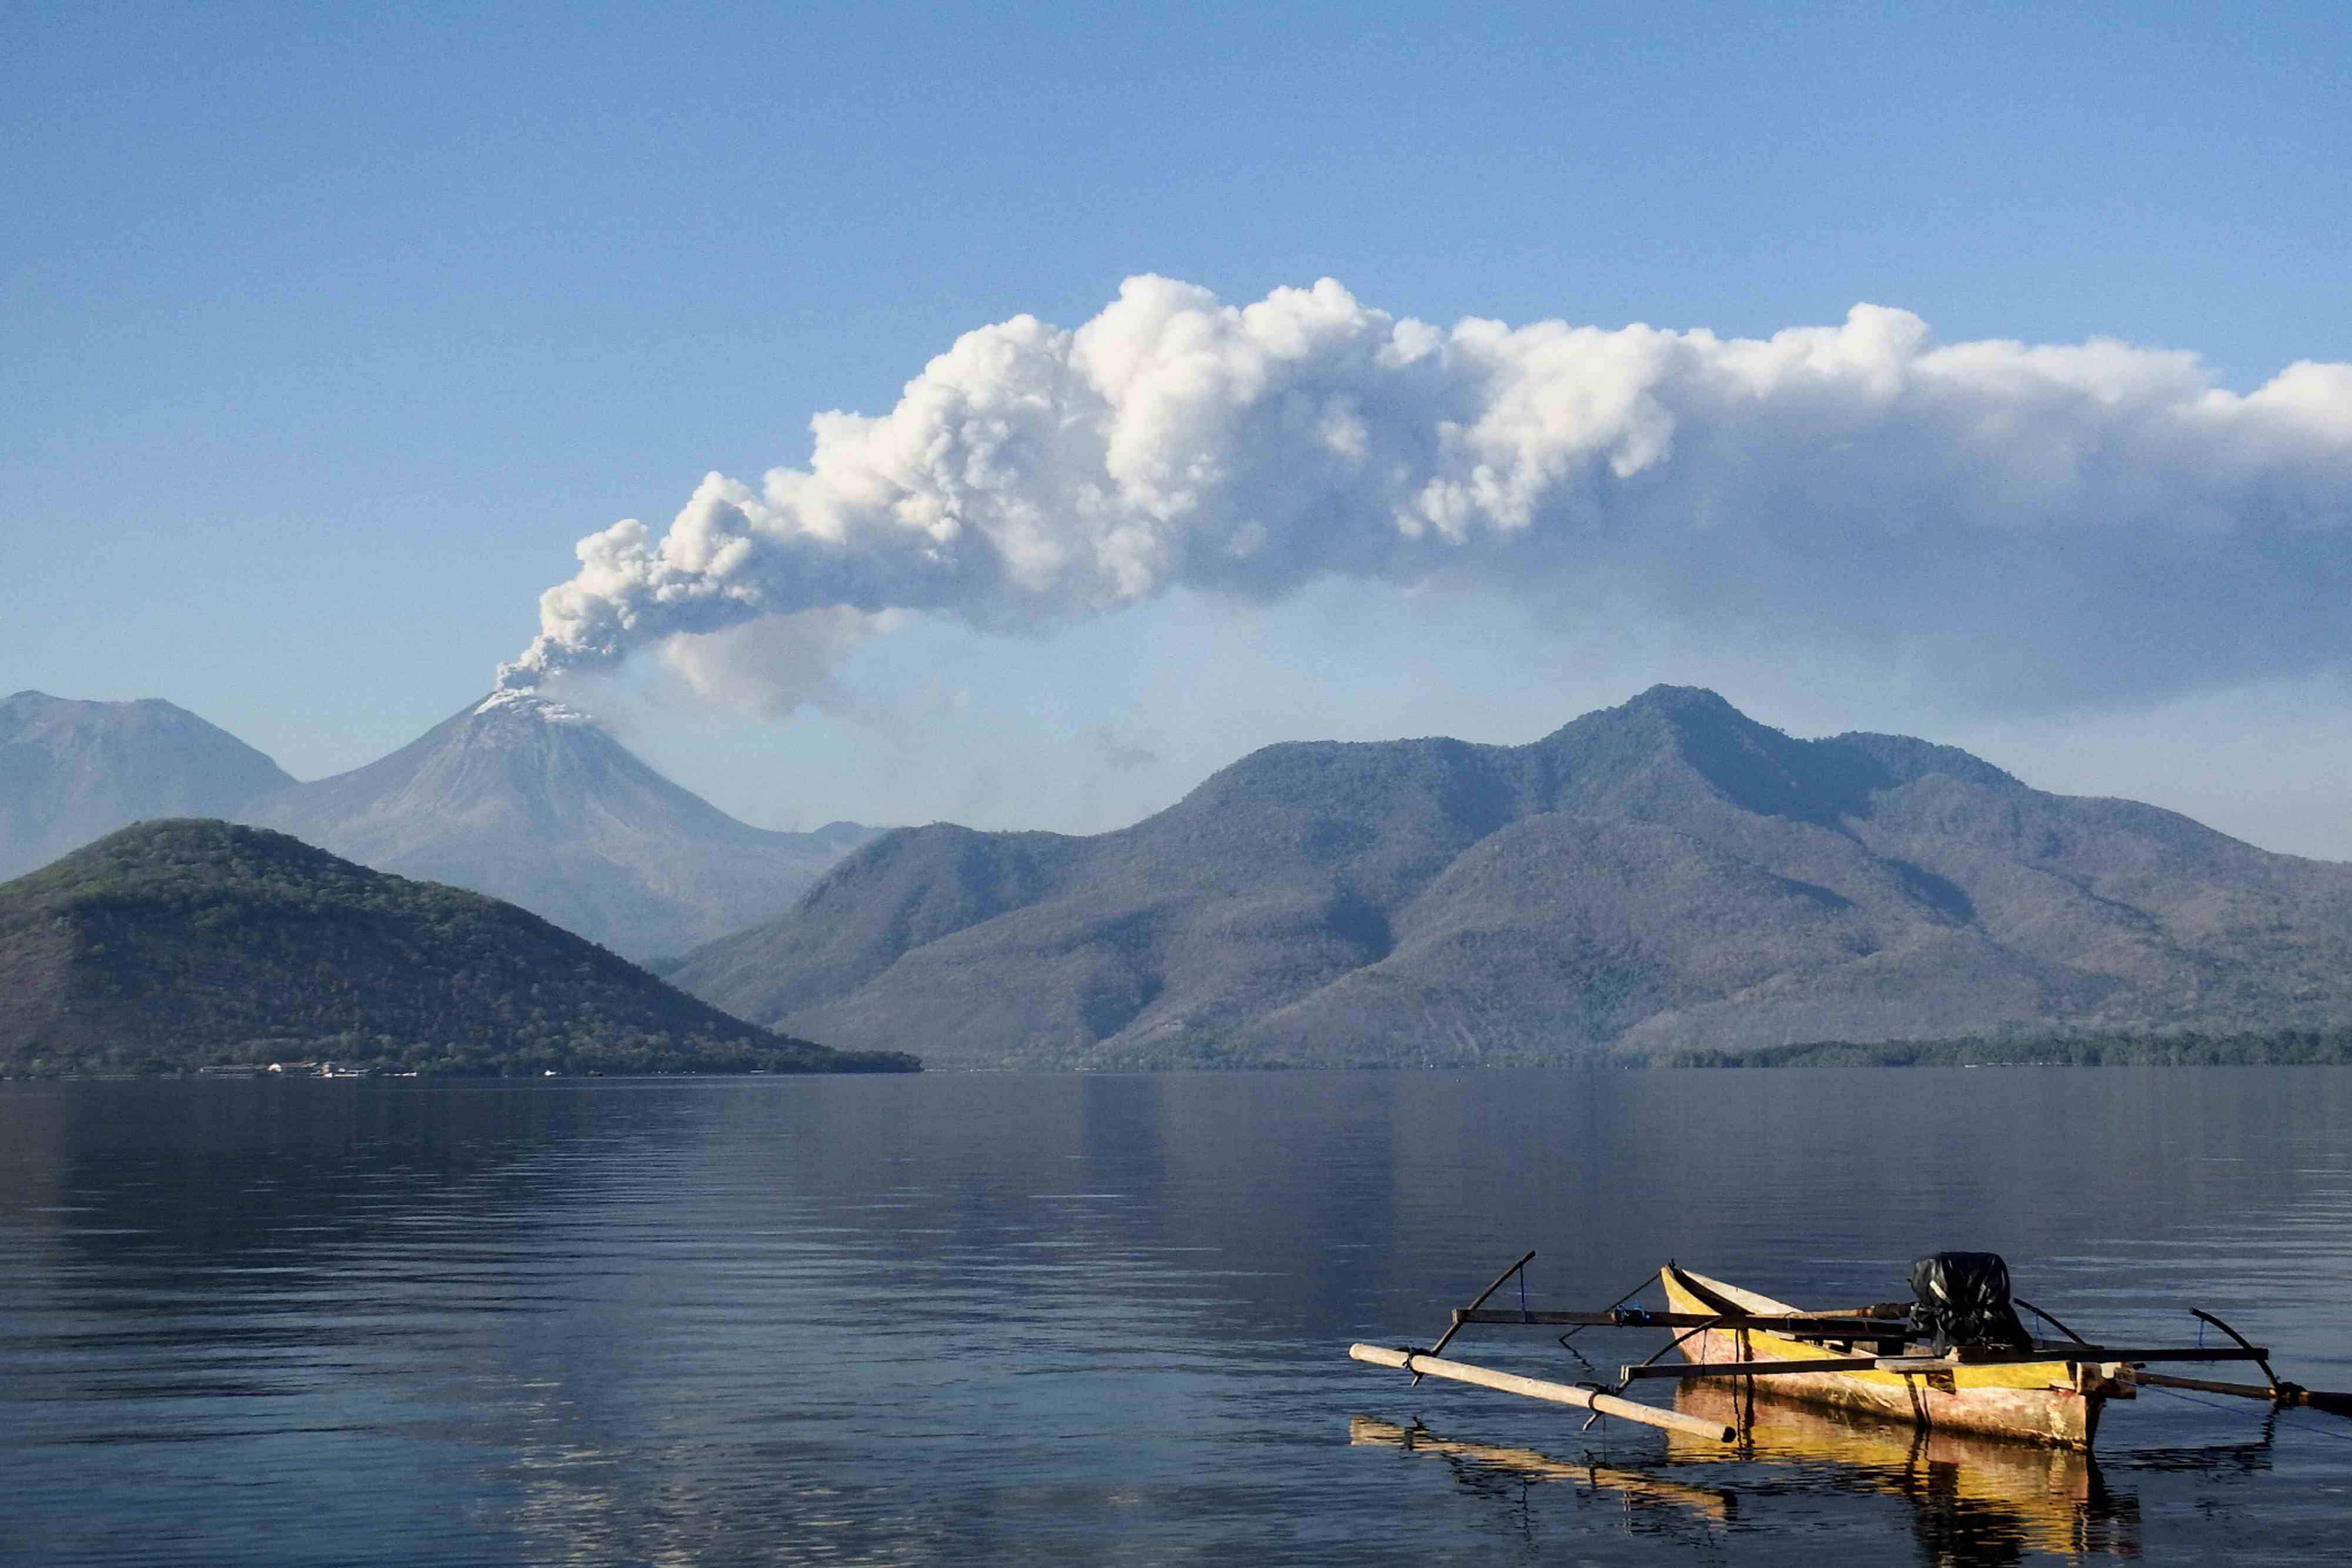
(184, 943)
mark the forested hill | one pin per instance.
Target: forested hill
(190, 942)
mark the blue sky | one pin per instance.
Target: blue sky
(330, 330)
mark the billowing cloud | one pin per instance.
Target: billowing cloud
(2083, 522)
(775, 664)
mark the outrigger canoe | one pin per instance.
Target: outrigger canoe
(2054, 1400)
(1957, 1360)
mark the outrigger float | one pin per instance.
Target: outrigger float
(1957, 1358)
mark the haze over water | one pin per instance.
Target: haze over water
(1089, 1318)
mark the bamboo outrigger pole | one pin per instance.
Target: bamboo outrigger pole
(1425, 1365)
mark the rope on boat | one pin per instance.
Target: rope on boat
(1597, 1389)
(2322, 1431)
(2070, 1333)
(2231, 1410)
(1639, 1287)
(2188, 1398)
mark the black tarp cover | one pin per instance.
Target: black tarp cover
(1962, 1297)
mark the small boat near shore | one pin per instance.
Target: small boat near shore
(1956, 1358)
(2055, 1398)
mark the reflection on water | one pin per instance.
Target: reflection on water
(1475, 1463)
(1975, 1500)
(1099, 1319)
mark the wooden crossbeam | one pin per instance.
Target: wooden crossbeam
(1811, 1325)
(1921, 1363)
(1759, 1368)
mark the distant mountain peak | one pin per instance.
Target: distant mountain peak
(31, 702)
(1665, 698)
(73, 769)
(1691, 711)
(1665, 710)
(1693, 732)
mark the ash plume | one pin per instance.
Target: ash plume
(2089, 520)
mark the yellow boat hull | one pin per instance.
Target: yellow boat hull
(2054, 1402)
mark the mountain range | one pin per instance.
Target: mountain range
(516, 797)
(1664, 874)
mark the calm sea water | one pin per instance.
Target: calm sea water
(954, 1318)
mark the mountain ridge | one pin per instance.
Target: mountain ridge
(1665, 874)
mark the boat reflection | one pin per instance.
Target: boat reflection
(1976, 1500)
(1973, 1502)
(1635, 1486)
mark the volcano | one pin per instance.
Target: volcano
(532, 801)
(71, 770)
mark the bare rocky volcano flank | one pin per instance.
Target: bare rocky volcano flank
(533, 802)
(1665, 873)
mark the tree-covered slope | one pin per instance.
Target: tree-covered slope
(189, 942)
(1661, 875)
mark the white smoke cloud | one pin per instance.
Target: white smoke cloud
(2075, 521)
(774, 665)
